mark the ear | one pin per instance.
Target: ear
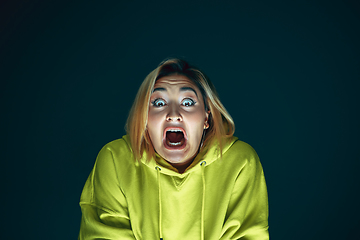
(206, 124)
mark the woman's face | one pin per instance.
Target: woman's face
(177, 119)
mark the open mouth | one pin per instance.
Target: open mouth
(174, 138)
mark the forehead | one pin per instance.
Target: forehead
(175, 82)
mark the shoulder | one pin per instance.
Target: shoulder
(115, 152)
(118, 146)
(244, 159)
(242, 152)
(242, 148)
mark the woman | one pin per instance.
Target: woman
(178, 173)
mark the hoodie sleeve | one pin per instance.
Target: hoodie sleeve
(103, 203)
(247, 215)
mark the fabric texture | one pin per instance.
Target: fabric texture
(215, 198)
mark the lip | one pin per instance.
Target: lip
(174, 147)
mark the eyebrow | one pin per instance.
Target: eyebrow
(188, 89)
(183, 89)
(159, 89)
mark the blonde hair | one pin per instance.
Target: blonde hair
(221, 125)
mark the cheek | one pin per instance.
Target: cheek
(197, 122)
(153, 125)
(198, 118)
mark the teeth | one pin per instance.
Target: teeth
(174, 130)
(174, 144)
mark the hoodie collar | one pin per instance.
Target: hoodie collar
(209, 154)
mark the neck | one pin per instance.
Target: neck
(181, 167)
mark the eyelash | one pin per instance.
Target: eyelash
(156, 101)
(188, 99)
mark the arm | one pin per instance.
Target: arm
(247, 215)
(103, 204)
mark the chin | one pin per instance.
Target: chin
(176, 156)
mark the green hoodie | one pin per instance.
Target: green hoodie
(215, 198)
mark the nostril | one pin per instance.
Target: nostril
(175, 118)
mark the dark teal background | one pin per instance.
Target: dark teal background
(287, 71)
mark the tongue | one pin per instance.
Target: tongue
(175, 137)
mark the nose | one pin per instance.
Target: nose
(169, 119)
(173, 115)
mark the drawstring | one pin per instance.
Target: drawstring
(158, 169)
(202, 164)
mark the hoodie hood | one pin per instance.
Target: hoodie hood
(208, 154)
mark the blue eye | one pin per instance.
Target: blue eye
(188, 102)
(159, 102)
